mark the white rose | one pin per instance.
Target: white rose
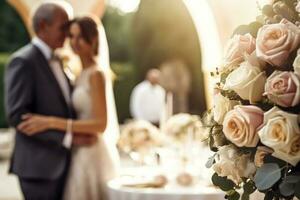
(237, 46)
(291, 153)
(221, 106)
(247, 81)
(232, 165)
(298, 7)
(296, 64)
(281, 132)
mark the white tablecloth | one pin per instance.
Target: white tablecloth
(117, 192)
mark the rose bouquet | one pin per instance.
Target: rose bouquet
(253, 126)
(183, 126)
(139, 136)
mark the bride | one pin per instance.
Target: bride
(91, 166)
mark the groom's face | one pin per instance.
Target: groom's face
(56, 31)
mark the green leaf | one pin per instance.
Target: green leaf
(297, 190)
(269, 195)
(292, 179)
(249, 187)
(287, 189)
(222, 182)
(212, 144)
(271, 159)
(234, 195)
(267, 176)
(245, 196)
(210, 161)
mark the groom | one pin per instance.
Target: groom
(36, 83)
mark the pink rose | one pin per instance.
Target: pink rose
(283, 88)
(237, 46)
(240, 125)
(275, 42)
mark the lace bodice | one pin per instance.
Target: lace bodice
(81, 97)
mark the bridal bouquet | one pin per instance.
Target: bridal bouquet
(139, 136)
(254, 124)
(183, 126)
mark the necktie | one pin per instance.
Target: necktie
(56, 67)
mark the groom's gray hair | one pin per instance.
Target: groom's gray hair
(47, 11)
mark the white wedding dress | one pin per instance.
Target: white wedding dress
(92, 166)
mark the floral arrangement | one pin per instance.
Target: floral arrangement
(179, 126)
(254, 124)
(139, 136)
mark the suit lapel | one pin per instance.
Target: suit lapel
(52, 80)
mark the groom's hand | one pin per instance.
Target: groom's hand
(84, 139)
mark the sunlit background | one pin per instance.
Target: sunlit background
(124, 6)
(167, 34)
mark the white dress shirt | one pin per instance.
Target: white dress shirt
(57, 70)
(147, 102)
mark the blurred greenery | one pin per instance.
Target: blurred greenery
(118, 29)
(123, 85)
(13, 34)
(3, 61)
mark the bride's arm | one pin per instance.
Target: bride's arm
(33, 124)
(98, 122)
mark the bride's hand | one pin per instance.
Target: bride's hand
(33, 124)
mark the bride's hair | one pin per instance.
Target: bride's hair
(89, 30)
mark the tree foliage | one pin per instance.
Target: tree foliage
(13, 33)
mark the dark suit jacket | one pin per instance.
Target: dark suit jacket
(31, 87)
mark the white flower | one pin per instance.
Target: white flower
(179, 125)
(237, 46)
(221, 106)
(296, 63)
(247, 81)
(139, 136)
(232, 165)
(281, 132)
(298, 7)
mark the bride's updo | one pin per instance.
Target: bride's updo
(89, 30)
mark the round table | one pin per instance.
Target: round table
(171, 192)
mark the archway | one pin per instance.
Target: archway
(164, 36)
(215, 21)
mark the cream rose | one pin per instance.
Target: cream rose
(283, 88)
(240, 125)
(237, 46)
(221, 106)
(298, 7)
(296, 63)
(275, 42)
(232, 165)
(260, 154)
(281, 133)
(247, 81)
(291, 153)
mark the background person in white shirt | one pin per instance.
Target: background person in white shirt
(147, 100)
